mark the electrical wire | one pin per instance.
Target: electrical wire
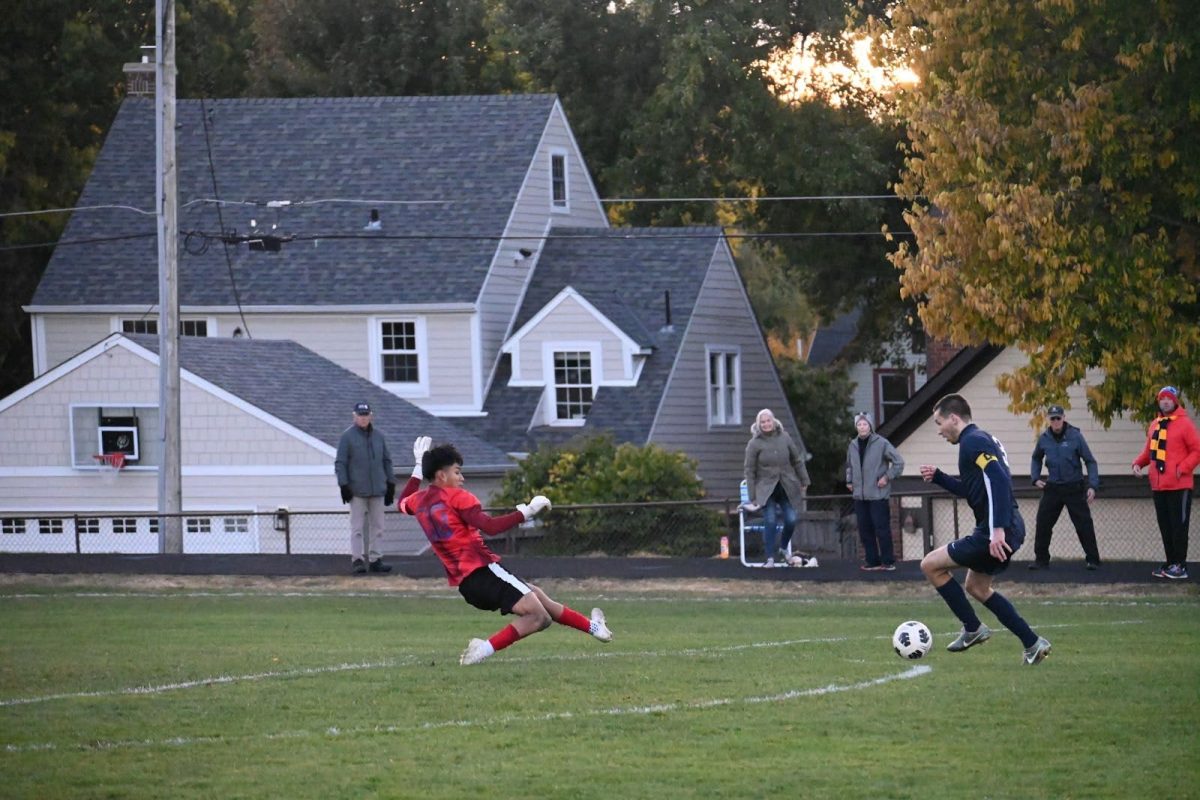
(212, 171)
(62, 242)
(75, 208)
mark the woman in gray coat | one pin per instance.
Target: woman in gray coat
(776, 479)
(872, 463)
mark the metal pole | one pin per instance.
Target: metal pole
(170, 491)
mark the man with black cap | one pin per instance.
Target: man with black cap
(1172, 453)
(1063, 447)
(364, 474)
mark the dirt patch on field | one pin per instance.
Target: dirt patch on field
(595, 586)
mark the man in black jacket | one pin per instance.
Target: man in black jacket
(1063, 447)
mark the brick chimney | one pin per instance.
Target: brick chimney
(938, 353)
(139, 76)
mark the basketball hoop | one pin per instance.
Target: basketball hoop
(110, 465)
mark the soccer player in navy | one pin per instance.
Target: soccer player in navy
(986, 483)
(453, 520)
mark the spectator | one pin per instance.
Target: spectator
(871, 466)
(776, 481)
(1063, 447)
(1174, 448)
(364, 474)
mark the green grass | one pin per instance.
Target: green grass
(348, 696)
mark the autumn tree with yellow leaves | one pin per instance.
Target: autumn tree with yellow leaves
(1053, 169)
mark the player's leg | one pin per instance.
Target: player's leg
(563, 615)
(494, 588)
(979, 586)
(770, 516)
(937, 566)
(358, 519)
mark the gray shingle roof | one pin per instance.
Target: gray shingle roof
(624, 272)
(830, 340)
(317, 396)
(472, 152)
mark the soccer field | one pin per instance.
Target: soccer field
(706, 691)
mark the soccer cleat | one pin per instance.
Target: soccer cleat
(599, 628)
(1175, 572)
(971, 639)
(358, 566)
(477, 650)
(1037, 651)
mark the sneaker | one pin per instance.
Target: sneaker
(1161, 572)
(888, 568)
(1039, 565)
(1176, 572)
(599, 627)
(871, 567)
(971, 639)
(358, 566)
(1037, 651)
(770, 563)
(1091, 566)
(477, 650)
(378, 566)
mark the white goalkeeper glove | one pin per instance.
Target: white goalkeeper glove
(421, 446)
(535, 506)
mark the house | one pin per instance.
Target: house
(261, 421)
(450, 251)
(972, 372)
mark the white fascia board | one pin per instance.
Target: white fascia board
(558, 109)
(375, 308)
(70, 365)
(569, 293)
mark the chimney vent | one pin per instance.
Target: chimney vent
(139, 76)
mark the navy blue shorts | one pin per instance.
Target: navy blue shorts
(972, 551)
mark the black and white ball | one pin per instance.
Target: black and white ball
(912, 639)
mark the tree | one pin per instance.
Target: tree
(1054, 172)
(820, 400)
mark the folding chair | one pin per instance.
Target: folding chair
(755, 527)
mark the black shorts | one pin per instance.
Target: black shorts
(493, 588)
(973, 551)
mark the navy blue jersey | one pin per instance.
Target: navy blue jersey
(984, 479)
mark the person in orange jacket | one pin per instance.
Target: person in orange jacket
(1171, 454)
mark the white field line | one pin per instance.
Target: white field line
(412, 658)
(505, 720)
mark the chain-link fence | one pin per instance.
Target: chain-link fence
(1125, 529)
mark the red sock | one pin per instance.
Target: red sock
(573, 619)
(503, 638)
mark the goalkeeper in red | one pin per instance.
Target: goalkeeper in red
(453, 521)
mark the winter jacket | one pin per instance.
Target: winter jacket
(864, 471)
(1183, 453)
(1062, 455)
(363, 462)
(773, 459)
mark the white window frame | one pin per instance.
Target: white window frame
(719, 416)
(210, 324)
(877, 378)
(550, 399)
(565, 206)
(418, 388)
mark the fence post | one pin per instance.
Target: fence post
(283, 523)
(78, 549)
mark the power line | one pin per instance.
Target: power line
(75, 208)
(212, 170)
(11, 247)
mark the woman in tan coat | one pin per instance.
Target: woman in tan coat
(776, 479)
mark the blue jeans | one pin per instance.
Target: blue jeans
(875, 531)
(777, 506)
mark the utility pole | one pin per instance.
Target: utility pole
(170, 486)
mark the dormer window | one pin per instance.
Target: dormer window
(558, 182)
(572, 386)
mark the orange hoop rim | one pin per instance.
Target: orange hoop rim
(110, 460)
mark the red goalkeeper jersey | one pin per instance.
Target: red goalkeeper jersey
(452, 520)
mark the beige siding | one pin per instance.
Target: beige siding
(531, 215)
(723, 317)
(571, 322)
(1114, 448)
(68, 335)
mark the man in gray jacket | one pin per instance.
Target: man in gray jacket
(871, 466)
(364, 474)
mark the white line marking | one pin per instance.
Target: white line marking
(508, 719)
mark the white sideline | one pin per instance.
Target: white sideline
(508, 719)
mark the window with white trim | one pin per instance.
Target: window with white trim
(198, 525)
(125, 525)
(193, 327)
(187, 327)
(88, 525)
(50, 526)
(12, 526)
(237, 524)
(724, 387)
(572, 385)
(399, 360)
(558, 181)
(893, 388)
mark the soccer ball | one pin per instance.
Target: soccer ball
(912, 639)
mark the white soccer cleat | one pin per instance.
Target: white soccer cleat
(599, 628)
(477, 650)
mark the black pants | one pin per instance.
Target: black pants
(1174, 509)
(1074, 497)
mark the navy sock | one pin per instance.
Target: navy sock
(1005, 612)
(952, 592)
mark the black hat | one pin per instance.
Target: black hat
(1055, 411)
(362, 409)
